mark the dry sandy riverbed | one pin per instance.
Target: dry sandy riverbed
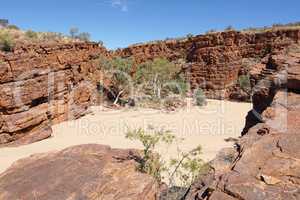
(207, 126)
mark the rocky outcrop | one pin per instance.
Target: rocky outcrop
(215, 61)
(265, 163)
(80, 172)
(45, 84)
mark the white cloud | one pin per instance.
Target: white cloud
(122, 4)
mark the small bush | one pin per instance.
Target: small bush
(189, 36)
(188, 164)
(229, 28)
(150, 163)
(13, 27)
(188, 167)
(6, 42)
(244, 82)
(31, 34)
(100, 43)
(200, 98)
(84, 36)
(51, 36)
(211, 31)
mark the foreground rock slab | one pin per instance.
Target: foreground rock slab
(81, 172)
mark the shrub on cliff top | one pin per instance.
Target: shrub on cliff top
(229, 28)
(84, 36)
(6, 42)
(31, 34)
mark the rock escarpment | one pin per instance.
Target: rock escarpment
(215, 61)
(265, 163)
(45, 84)
(87, 172)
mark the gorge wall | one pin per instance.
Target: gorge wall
(265, 162)
(45, 84)
(214, 61)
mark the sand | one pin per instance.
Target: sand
(207, 126)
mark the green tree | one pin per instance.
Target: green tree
(158, 73)
(84, 36)
(118, 70)
(73, 32)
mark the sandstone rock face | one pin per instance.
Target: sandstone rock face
(45, 84)
(86, 172)
(215, 61)
(265, 163)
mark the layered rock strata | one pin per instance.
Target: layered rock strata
(41, 85)
(265, 163)
(215, 61)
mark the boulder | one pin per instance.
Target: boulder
(81, 172)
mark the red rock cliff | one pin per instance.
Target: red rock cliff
(45, 84)
(214, 61)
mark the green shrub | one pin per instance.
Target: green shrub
(211, 31)
(101, 43)
(6, 42)
(150, 162)
(84, 36)
(189, 35)
(13, 27)
(31, 34)
(229, 28)
(75, 34)
(200, 97)
(158, 73)
(186, 167)
(51, 36)
(118, 70)
(244, 82)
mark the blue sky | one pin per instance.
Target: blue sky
(119, 23)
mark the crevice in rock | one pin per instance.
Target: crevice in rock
(39, 101)
(278, 146)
